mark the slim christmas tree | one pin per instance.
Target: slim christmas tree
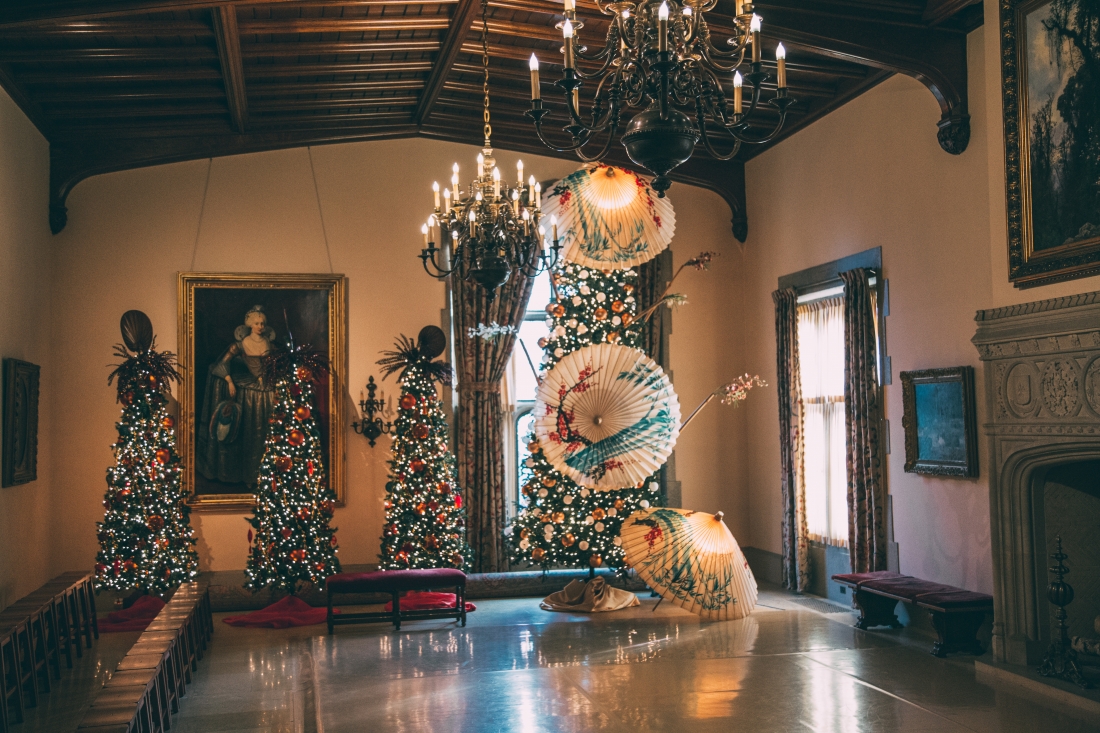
(146, 541)
(563, 524)
(293, 542)
(425, 522)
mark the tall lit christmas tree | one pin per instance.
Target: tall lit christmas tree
(563, 524)
(293, 542)
(145, 539)
(425, 522)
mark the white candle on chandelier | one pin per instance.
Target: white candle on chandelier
(480, 165)
(519, 171)
(454, 181)
(737, 82)
(554, 227)
(435, 190)
(515, 201)
(473, 222)
(531, 191)
(570, 6)
(526, 221)
(538, 196)
(533, 64)
(687, 11)
(781, 66)
(496, 182)
(424, 231)
(754, 27)
(662, 27)
(567, 33)
(447, 199)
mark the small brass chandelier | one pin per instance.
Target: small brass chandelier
(659, 55)
(491, 229)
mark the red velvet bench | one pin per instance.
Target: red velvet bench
(957, 614)
(395, 582)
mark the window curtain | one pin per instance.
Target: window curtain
(862, 413)
(796, 547)
(651, 282)
(480, 425)
(824, 453)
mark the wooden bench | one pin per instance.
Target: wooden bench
(957, 614)
(147, 684)
(394, 583)
(35, 632)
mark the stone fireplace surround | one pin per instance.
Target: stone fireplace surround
(1042, 389)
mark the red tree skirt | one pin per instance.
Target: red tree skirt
(427, 601)
(134, 618)
(282, 614)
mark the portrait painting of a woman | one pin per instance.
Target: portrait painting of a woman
(237, 405)
(229, 325)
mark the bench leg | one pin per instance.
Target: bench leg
(329, 616)
(958, 632)
(875, 610)
(460, 605)
(396, 611)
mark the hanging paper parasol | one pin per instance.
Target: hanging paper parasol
(609, 217)
(607, 416)
(690, 559)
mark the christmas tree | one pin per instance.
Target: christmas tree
(425, 522)
(293, 542)
(145, 539)
(563, 524)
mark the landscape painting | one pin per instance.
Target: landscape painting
(939, 421)
(1053, 91)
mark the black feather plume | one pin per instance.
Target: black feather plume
(406, 356)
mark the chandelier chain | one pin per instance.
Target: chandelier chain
(485, 67)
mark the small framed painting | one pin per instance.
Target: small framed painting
(941, 430)
(20, 422)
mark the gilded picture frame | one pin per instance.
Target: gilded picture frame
(20, 423)
(940, 422)
(1053, 223)
(217, 312)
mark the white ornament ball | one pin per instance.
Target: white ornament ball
(572, 323)
(629, 299)
(589, 519)
(582, 329)
(616, 321)
(530, 463)
(549, 322)
(535, 512)
(543, 493)
(644, 504)
(599, 526)
(559, 331)
(585, 290)
(584, 493)
(612, 512)
(582, 545)
(618, 541)
(548, 530)
(559, 352)
(524, 544)
(583, 274)
(601, 297)
(577, 300)
(654, 486)
(567, 500)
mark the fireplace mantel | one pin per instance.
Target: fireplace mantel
(1042, 389)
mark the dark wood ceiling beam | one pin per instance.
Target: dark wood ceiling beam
(71, 134)
(122, 96)
(24, 13)
(282, 71)
(461, 19)
(119, 27)
(259, 91)
(937, 11)
(332, 104)
(142, 54)
(186, 74)
(224, 20)
(338, 48)
(345, 25)
(127, 111)
(936, 57)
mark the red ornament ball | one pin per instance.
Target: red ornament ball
(402, 557)
(295, 438)
(537, 554)
(309, 468)
(421, 508)
(417, 465)
(431, 542)
(458, 501)
(617, 306)
(600, 314)
(319, 567)
(284, 463)
(595, 561)
(127, 398)
(407, 402)
(298, 555)
(163, 455)
(443, 488)
(420, 432)
(124, 492)
(333, 541)
(457, 560)
(129, 566)
(433, 506)
(296, 390)
(303, 374)
(169, 422)
(155, 522)
(559, 310)
(302, 413)
(328, 507)
(286, 533)
(303, 513)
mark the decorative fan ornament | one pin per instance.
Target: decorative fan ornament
(692, 560)
(609, 218)
(607, 416)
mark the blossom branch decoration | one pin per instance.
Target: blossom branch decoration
(699, 262)
(733, 393)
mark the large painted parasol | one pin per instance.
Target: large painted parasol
(607, 416)
(609, 218)
(692, 560)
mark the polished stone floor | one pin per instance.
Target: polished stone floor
(517, 668)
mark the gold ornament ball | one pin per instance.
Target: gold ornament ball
(568, 540)
(595, 561)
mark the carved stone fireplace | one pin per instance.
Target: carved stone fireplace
(1042, 388)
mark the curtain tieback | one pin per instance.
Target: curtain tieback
(472, 387)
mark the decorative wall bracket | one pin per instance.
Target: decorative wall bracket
(371, 427)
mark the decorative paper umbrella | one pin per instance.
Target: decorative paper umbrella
(609, 217)
(607, 416)
(690, 559)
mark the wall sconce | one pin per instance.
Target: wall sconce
(371, 427)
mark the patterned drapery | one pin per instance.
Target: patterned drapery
(480, 424)
(862, 414)
(652, 279)
(796, 544)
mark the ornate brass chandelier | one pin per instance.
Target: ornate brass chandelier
(491, 229)
(659, 55)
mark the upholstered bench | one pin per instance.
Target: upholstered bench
(394, 583)
(957, 614)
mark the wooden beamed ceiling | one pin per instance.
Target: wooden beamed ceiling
(132, 83)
